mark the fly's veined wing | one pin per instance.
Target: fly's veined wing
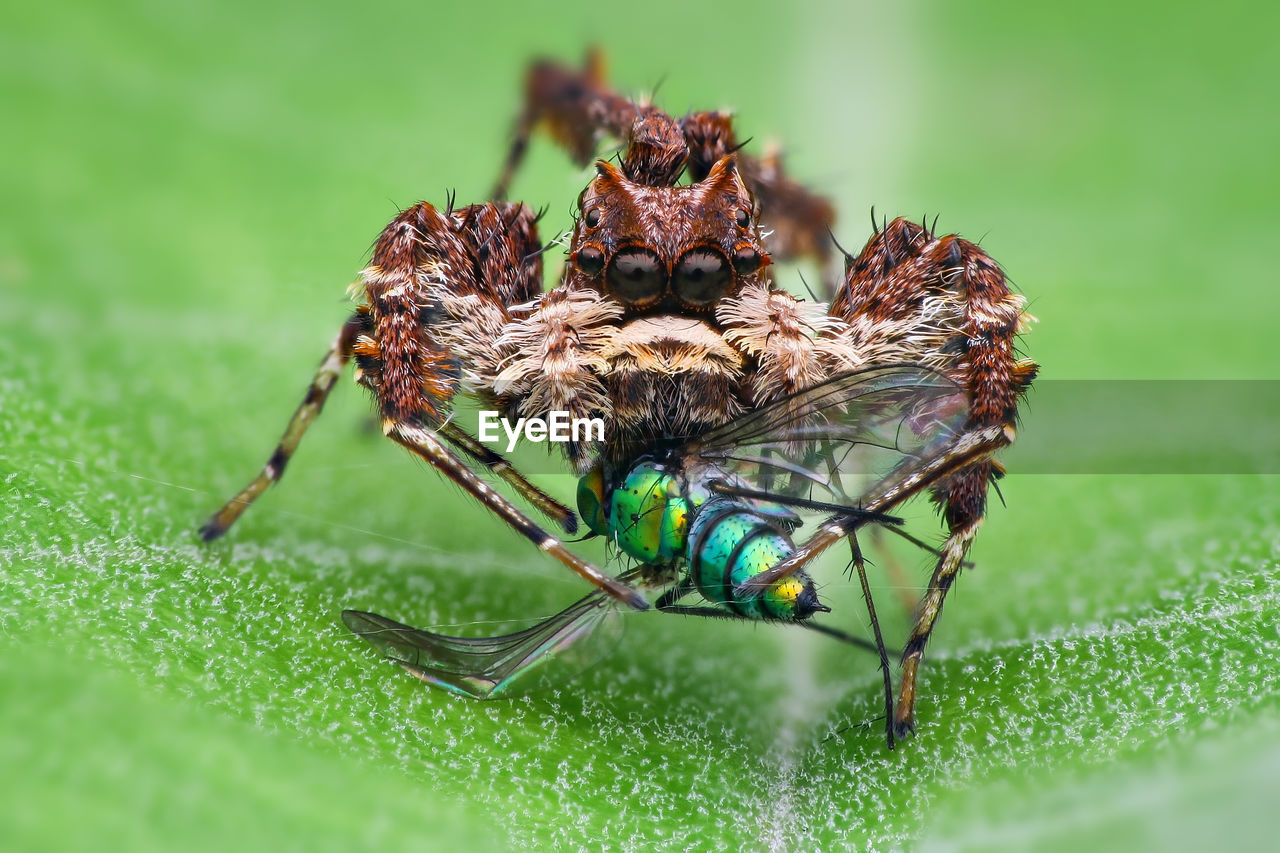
(826, 446)
(508, 665)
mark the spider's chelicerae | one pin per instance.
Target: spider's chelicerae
(668, 326)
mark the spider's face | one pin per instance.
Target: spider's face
(667, 249)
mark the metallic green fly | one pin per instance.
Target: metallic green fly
(713, 516)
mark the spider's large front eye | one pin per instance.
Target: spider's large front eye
(637, 275)
(702, 277)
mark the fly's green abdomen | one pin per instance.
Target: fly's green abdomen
(730, 544)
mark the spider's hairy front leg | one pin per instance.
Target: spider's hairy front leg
(501, 243)
(425, 254)
(942, 303)
(798, 220)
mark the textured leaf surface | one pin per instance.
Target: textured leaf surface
(184, 194)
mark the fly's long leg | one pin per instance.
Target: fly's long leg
(860, 564)
(330, 369)
(909, 481)
(717, 613)
(427, 445)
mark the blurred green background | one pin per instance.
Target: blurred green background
(186, 190)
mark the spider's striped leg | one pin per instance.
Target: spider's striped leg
(438, 289)
(943, 303)
(498, 465)
(426, 444)
(492, 244)
(330, 369)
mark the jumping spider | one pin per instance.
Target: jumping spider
(667, 324)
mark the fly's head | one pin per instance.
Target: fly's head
(669, 249)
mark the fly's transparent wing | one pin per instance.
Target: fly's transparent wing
(825, 448)
(507, 665)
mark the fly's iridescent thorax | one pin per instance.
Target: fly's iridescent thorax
(646, 514)
(665, 517)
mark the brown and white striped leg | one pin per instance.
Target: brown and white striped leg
(480, 258)
(426, 444)
(330, 369)
(967, 494)
(498, 465)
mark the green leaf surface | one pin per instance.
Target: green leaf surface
(185, 192)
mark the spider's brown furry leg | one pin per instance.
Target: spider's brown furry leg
(575, 106)
(330, 369)
(578, 108)
(420, 352)
(943, 303)
(501, 241)
(799, 219)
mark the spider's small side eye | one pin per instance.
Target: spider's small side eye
(742, 217)
(590, 260)
(593, 217)
(746, 260)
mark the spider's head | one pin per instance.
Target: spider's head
(667, 249)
